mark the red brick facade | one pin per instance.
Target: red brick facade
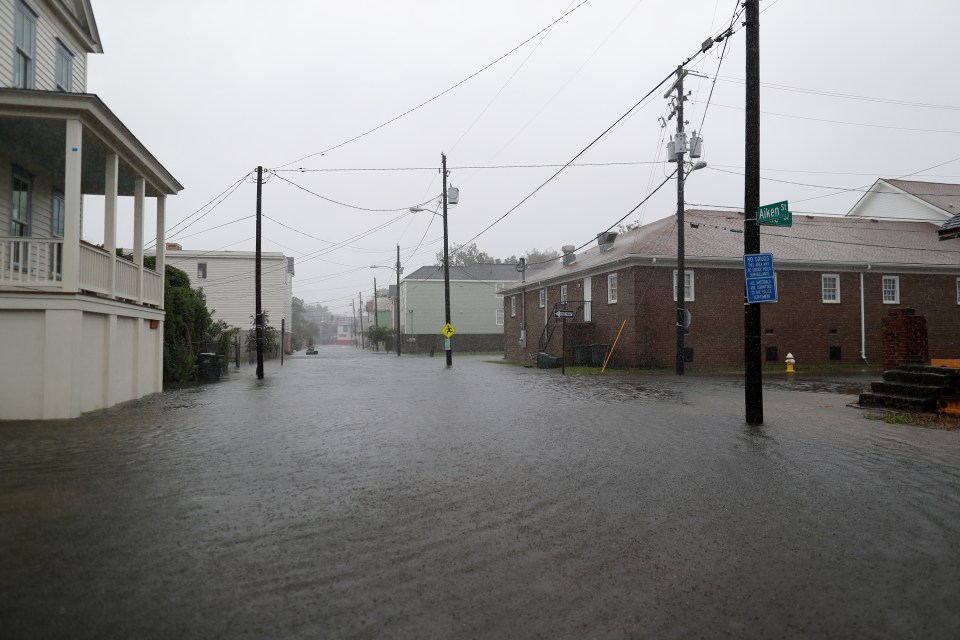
(904, 339)
(801, 323)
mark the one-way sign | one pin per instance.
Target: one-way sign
(564, 314)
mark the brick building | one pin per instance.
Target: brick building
(837, 278)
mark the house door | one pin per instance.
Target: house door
(587, 299)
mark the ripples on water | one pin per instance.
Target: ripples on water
(369, 496)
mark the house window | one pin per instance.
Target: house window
(958, 290)
(687, 286)
(611, 288)
(513, 306)
(20, 215)
(64, 67)
(58, 209)
(500, 316)
(543, 298)
(830, 287)
(25, 46)
(202, 270)
(891, 289)
(499, 286)
(563, 293)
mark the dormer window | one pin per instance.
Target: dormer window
(25, 47)
(64, 67)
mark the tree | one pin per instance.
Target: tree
(463, 255)
(271, 337)
(377, 335)
(535, 255)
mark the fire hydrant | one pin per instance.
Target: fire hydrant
(790, 360)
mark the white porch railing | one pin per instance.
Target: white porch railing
(35, 263)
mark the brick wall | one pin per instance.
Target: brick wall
(800, 323)
(904, 339)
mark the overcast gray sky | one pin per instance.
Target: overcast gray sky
(854, 90)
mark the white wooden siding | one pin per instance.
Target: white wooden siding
(48, 30)
(229, 285)
(886, 202)
(473, 307)
(6, 42)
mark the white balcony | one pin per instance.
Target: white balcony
(36, 264)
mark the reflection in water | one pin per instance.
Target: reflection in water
(355, 495)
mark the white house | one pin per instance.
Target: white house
(82, 328)
(476, 307)
(909, 200)
(228, 280)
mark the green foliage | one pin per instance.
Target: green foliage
(535, 255)
(304, 332)
(186, 323)
(271, 337)
(381, 336)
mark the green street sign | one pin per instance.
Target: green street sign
(775, 215)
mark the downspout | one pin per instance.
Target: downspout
(863, 325)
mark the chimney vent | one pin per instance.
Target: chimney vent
(173, 246)
(569, 257)
(605, 240)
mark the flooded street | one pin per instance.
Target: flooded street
(354, 495)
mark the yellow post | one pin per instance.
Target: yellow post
(613, 346)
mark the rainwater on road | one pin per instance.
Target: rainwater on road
(360, 495)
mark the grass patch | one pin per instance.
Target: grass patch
(930, 420)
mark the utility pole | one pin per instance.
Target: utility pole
(753, 387)
(680, 148)
(446, 260)
(258, 318)
(522, 268)
(376, 318)
(353, 310)
(399, 269)
(360, 313)
(283, 332)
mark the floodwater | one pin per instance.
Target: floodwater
(358, 495)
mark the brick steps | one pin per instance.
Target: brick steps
(913, 387)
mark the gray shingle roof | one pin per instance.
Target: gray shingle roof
(718, 235)
(942, 195)
(490, 272)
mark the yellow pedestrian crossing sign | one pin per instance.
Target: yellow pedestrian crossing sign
(448, 330)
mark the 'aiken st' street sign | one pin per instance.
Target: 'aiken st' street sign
(775, 215)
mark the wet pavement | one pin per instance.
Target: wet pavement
(355, 495)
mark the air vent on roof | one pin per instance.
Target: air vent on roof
(569, 257)
(605, 240)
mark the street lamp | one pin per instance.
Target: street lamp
(683, 316)
(454, 197)
(396, 314)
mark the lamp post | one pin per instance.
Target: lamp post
(453, 197)
(396, 309)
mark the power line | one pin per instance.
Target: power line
(219, 199)
(442, 93)
(823, 186)
(344, 204)
(844, 122)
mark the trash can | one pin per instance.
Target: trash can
(208, 367)
(598, 354)
(547, 361)
(582, 355)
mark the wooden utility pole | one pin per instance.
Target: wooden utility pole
(360, 312)
(681, 279)
(259, 314)
(753, 384)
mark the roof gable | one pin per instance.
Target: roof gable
(77, 15)
(908, 200)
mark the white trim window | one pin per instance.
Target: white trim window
(543, 298)
(830, 288)
(24, 46)
(891, 289)
(500, 317)
(499, 287)
(563, 293)
(21, 214)
(64, 67)
(201, 271)
(687, 285)
(612, 292)
(513, 306)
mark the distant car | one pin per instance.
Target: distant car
(311, 351)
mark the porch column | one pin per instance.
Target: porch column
(139, 195)
(70, 270)
(161, 248)
(110, 188)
